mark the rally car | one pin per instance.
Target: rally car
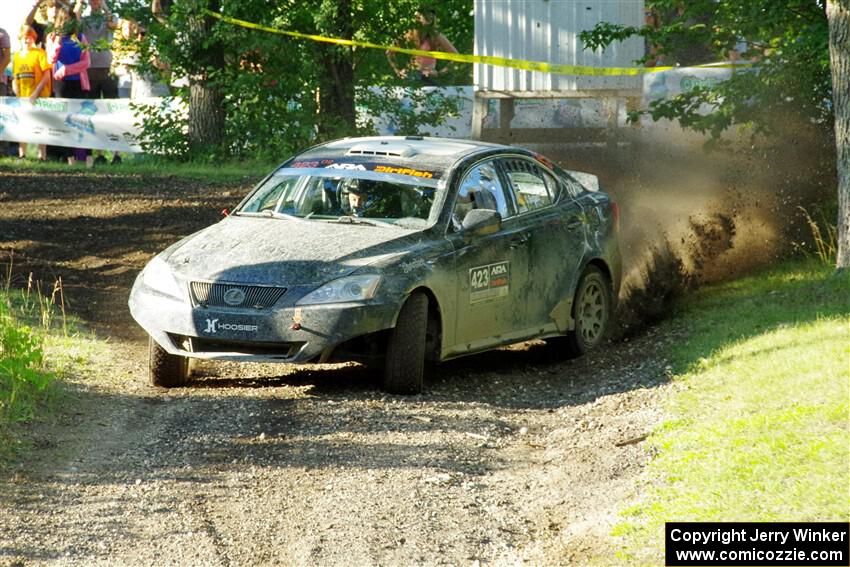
(400, 250)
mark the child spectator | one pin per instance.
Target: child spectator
(67, 51)
(31, 77)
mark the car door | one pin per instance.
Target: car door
(491, 269)
(556, 226)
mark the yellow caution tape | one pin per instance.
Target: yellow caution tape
(524, 65)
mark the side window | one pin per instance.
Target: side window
(532, 187)
(574, 189)
(480, 189)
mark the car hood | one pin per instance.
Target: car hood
(281, 251)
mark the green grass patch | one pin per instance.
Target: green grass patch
(25, 379)
(41, 352)
(224, 172)
(758, 429)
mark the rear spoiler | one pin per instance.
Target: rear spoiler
(588, 180)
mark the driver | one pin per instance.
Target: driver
(359, 193)
(357, 201)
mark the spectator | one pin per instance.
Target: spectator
(5, 53)
(426, 37)
(123, 52)
(41, 16)
(145, 83)
(98, 26)
(31, 77)
(46, 12)
(67, 51)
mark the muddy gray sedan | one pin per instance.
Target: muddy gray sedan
(389, 250)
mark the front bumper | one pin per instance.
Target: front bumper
(248, 335)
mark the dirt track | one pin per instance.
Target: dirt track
(504, 459)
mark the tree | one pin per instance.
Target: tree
(336, 84)
(266, 94)
(187, 25)
(838, 12)
(790, 82)
(206, 115)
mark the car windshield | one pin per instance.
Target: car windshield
(318, 195)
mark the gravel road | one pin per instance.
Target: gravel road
(505, 459)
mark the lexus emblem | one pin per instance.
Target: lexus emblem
(234, 296)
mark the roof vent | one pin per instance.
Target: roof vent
(384, 149)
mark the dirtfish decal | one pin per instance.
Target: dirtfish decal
(403, 171)
(489, 282)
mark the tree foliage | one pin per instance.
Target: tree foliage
(278, 93)
(790, 86)
(787, 39)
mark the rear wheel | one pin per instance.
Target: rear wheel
(166, 370)
(591, 311)
(404, 368)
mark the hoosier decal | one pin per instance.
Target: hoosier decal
(214, 326)
(489, 282)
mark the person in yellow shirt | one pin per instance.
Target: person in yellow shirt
(31, 75)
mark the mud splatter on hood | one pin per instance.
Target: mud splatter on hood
(278, 251)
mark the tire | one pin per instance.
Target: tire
(404, 367)
(591, 311)
(166, 370)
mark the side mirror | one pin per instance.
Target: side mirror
(482, 222)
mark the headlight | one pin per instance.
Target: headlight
(157, 276)
(352, 288)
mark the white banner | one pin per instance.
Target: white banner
(104, 124)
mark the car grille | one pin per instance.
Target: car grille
(235, 296)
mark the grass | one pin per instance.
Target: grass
(25, 379)
(758, 425)
(226, 172)
(40, 349)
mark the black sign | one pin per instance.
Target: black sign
(752, 543)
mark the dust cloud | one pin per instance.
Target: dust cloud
(692, 215)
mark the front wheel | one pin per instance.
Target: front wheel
(166, 370)
(591, 311)
(404, 368)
